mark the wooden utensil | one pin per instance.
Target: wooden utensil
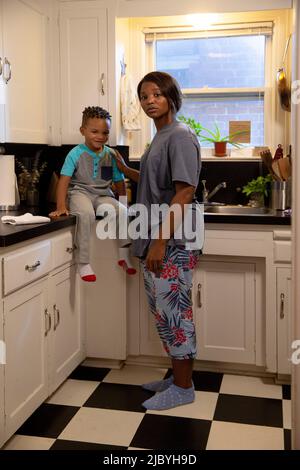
(284, 168)
(276, 170)
(266, 157)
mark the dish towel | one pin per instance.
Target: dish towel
(130, 105)
(24, 219)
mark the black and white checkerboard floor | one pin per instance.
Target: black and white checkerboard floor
(99, 409)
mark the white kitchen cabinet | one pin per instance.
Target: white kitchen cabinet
(26, 327)
(23, 83)
(42, 325)
(2, 361)
(66, 335)
(83, 52)
(224, 311)
(233, 301)
(105, 303)
(284, 319)
(224, 308)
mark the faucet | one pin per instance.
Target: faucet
(206, 196)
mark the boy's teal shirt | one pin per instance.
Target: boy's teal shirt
(91, 171)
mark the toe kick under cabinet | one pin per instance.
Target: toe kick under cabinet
(41, 324)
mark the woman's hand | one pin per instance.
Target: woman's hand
(119, 161)
(155, 256)
(59, 212)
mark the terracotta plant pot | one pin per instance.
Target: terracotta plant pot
(220, 149)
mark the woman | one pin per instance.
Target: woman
(169, 174)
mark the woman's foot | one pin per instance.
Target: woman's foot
(86, 273)
(170, 398)
(159, 385)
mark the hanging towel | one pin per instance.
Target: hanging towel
(24, 219)
(130, 105)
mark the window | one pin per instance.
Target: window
(222, 73)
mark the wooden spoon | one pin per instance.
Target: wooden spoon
(276, 170)
(266, 157)
(284, 168)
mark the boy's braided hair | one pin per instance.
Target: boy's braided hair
(94, 112)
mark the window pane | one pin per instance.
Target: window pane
(230, 62)
(207, 111)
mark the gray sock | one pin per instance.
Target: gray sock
(159, 385)
(170, 398)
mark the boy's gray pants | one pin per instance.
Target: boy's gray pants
(84, 205)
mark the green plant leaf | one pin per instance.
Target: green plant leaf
(257, 185)
(208, 135)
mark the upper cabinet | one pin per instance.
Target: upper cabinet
(23, 82)
(83, 55)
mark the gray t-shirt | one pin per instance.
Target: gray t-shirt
(173, 156)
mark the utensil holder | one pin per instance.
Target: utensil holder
(281, 195)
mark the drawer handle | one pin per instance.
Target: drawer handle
(48, 321)
(56, 317)
(199, 296)
(70, 250)
(33, 266)
(281, 305)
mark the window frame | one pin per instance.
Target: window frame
(218, 92)
(140, 62)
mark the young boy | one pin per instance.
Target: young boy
(86, 176)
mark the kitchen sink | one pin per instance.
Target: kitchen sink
(238, 210)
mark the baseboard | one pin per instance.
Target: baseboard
(104, 363)
(209, 366)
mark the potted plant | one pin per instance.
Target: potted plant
(220, 142)
(257, 189)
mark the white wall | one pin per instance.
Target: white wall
(296, 232)
(126, 8)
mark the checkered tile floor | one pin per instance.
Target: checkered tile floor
(101, 409)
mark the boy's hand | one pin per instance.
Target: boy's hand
(59, 212)
(119, 160)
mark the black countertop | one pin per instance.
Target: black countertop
(277, 218)
(11, 234)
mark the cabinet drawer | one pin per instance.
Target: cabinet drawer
(62, 249)
(26, 265)
(282, 251)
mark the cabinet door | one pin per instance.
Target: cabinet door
(2, 363)
(105, 303)
(66, 338)
(224, 311)
(2, 83)
(83, 43)
(284, 320)
(24, 70)
(26, 324)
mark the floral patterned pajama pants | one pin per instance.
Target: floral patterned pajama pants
(170, 301)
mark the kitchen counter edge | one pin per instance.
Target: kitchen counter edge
(12, 234)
